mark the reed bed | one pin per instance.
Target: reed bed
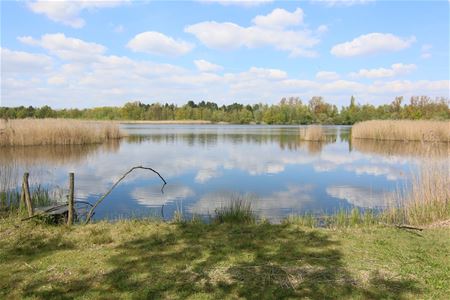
(28, 132)
(403, 130)
(425, 198)
(313, 133)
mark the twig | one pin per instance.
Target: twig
(91, 212)
(403, 226)
(408, 227)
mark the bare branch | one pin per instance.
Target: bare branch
(91, 212)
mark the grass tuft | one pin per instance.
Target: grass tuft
(237, 211)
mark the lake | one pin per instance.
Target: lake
(207, 165)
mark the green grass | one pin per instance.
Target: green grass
(193, 260)
(10, 200)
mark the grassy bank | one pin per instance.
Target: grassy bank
(150, 259)
(27, 132)
(403, 130)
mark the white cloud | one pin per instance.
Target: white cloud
(322, 29)
(157, 43)
(395, 70)
(67, 12)
(89, 77)
(425, 51)
(327, 75)
(372, 43)
(280, 18)
(228, 36)
(20, 62)
(206, 66)
(65, 47)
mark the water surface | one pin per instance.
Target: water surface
(207, 165)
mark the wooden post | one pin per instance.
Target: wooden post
(71, 202)
(22, 204)
(26, 190)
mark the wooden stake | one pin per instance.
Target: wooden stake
(26, 189)
(23, 204)
(71, 196)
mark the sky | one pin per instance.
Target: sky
(69, 54)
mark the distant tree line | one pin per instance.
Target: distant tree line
(288, 111)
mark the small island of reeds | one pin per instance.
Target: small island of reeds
(312, 133)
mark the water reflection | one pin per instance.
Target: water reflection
(361, 196)
(54, 155)
(205, 165)
(400, 148)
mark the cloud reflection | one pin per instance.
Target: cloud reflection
(360, 196)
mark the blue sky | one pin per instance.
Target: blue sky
(102, 53)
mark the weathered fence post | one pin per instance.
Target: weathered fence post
(26, 190)
(71, 201)
(22, 204)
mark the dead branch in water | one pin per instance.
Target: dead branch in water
(91, 212)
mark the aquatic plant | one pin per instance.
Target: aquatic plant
(27, 132)
(403, 130)
(312, 133)
(425, 198)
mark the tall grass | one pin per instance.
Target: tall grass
(403, 130)
(10, 200)
(312, 133)
(27, 132)
(425, 198)
(237, 210)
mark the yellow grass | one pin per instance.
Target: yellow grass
(312, 133)
(403, 130)
(27, 132)
(426, 197)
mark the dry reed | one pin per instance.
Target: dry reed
(27, 132)
(312, 133)
(425, 198)
(403, 130)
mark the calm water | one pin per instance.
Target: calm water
(207, 165)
